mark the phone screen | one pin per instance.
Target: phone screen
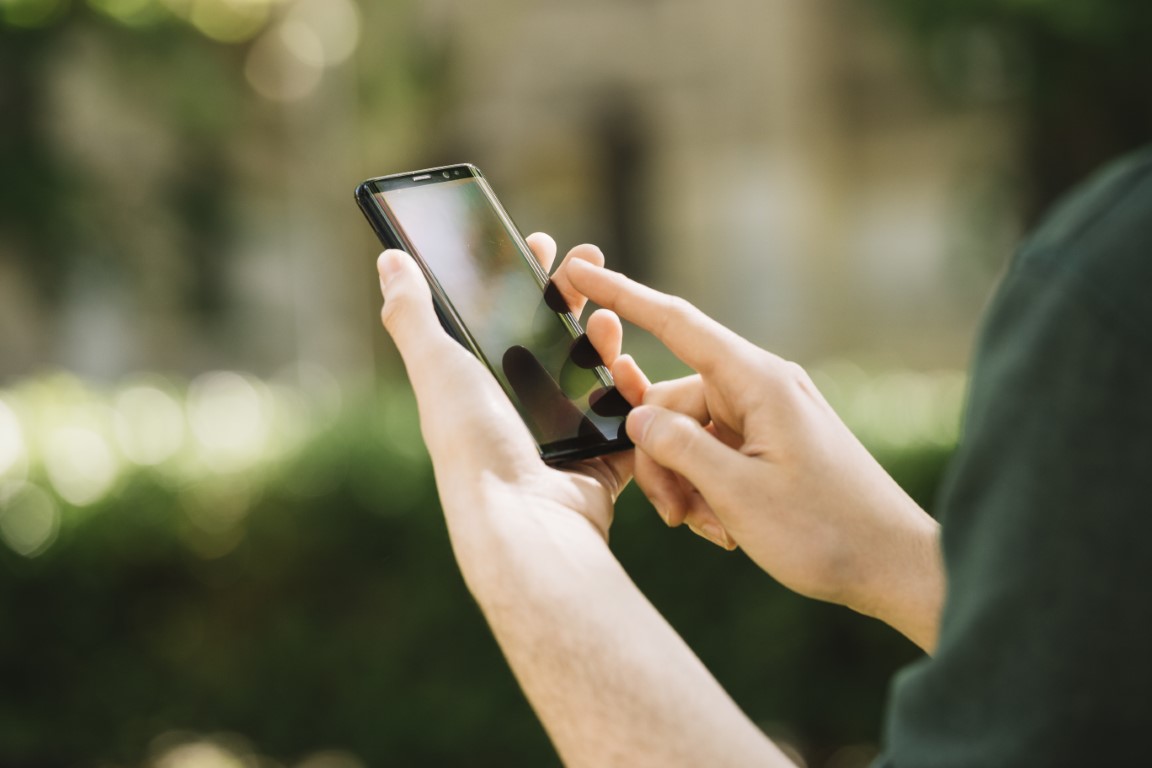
(486, 281)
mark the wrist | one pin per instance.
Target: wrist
(509, 544)
(905, 587)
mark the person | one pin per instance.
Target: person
(1027, 597)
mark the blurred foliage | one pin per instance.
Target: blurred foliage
(224, 20)
(59, 213)
(1118, 22)
(308, 600)
(157, 156)
(1077, 71)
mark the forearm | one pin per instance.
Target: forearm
(611, 681)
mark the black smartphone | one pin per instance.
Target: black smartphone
(493, 297)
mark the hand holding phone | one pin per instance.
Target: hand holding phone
(493, 297)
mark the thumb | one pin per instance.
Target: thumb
(679, 443)
(408, 312)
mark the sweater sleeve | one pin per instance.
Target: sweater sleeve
(1044, 654)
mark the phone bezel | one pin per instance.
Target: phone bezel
(392, 236)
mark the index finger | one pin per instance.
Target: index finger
(698, 340)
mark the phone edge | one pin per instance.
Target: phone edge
(389, 239)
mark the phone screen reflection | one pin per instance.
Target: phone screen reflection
(555, 380)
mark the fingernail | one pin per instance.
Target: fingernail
(660, 510)
(638, 422)
(714, 534)
(389, 264)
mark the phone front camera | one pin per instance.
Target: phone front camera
(445, 174)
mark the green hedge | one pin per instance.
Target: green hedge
(327, 613)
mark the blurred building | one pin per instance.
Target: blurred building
(782, 164)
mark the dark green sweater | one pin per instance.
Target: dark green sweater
(1045, 653)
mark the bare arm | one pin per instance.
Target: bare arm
(609, 678)
(611, 681)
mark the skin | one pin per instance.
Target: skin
(746, 453)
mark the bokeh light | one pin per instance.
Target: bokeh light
(192, 752)
(230, 21)
(80, 464)
(284, 63)
(333, 24)
(287, 62)
(133, 13)
(149, 424)
(32, 13)
(29, 517)
(12, 449)
(229, 418)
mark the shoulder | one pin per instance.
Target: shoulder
(1092, 208)
(1096, 247)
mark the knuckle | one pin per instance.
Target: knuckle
(659, 393)
(674, 435)
(783, 375)
(796, 381)
(393, 315)
(675, 394)
(795, 372)
(679, 307)
(672, 311)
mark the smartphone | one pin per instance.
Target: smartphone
(494, 298)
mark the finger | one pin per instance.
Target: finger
(684, 395)
(613, 470)
(679, 443)
(702, 521)
(709, 527)
(543, 247)
(662, 488)
(629, 379)
(410, 318)
(698, 340)
(676, 500)
(694, 511)
(606, 334)
(574, 299)
(685, 504)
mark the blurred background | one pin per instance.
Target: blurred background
(219, 541)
